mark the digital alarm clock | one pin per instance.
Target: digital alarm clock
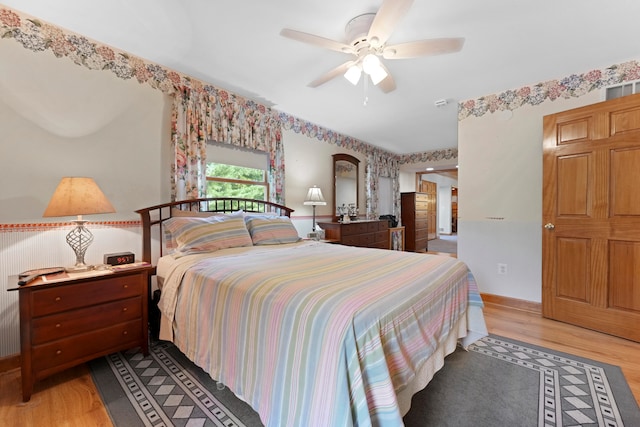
(119, 258)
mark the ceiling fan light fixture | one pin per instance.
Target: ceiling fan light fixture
(378, 75)
(370, 63)
(353, 74)
(372, 66)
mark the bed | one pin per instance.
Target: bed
(306, 332)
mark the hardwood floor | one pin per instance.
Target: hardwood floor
(70, 398)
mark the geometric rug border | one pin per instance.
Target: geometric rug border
(564, 382)
(572, 390)
(181, 400)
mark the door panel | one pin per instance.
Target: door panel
(574, 131)
(591, 212)
(625, 194)
(573, 185)
(625, 273)
(625, 120)
(573, 269)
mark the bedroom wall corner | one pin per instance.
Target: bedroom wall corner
(500, 196)
(308, 162)
(59, 119)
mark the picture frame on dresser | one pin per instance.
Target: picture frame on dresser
(396, 238)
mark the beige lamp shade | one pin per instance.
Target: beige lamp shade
(314, 197)
(78, 196)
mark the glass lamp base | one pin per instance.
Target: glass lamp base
(78, 268)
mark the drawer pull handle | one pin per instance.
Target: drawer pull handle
(125, 309)
(58, 299)
(125, 286)
(58, 325)
(125, 332)
(58, 352)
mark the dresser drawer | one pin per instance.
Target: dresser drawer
(357, 228)
(421, 244)
(422, 206)
(422, 224)
(421, 215)
(83, 347)
(353, 240)
(381, 237)
(56, 326)
(422, 233)
(62, 298)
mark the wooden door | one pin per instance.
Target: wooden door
(591, 217)
(431, 189)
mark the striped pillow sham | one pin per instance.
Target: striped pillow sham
(196, 234)
(271, 230)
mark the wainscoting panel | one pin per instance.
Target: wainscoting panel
(27, 246)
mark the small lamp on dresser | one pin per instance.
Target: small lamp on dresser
(314, 198)
(78, 196)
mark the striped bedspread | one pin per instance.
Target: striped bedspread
(314, 333)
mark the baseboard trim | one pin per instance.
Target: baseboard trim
(520, 304)
(9, 362)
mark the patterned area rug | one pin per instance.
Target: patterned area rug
(497, 382)
(572, 391)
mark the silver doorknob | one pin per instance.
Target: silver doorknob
(549, 226)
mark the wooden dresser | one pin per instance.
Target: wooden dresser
(369, 234)
(415, 218)
(63, 324)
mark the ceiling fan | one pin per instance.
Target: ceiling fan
(367, 37)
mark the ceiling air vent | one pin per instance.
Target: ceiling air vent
(621, 90)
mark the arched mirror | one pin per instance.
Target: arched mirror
(346, 186)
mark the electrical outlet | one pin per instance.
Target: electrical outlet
(502, 268)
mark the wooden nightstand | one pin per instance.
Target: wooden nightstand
(63, 324)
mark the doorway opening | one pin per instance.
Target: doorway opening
(442, 187)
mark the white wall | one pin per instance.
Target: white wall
(407, 181)
(309, 162)
(59, 119)
(500, 197)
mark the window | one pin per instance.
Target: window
(236, 181)
(236, 172)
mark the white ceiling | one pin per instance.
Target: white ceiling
(235, 44)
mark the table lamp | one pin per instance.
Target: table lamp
(78, 196)
(314, 198)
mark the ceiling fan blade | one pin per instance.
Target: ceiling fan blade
(316, 40)
(422, 48)
(386, 20)
(338, 71)
(388, 84)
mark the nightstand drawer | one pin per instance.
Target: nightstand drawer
(87, 346)
(61, 298)
(56, 326)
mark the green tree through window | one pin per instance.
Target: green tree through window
(235, 181)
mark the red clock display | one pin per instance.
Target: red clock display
(119, 258)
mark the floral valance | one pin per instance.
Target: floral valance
(201, 114)
(38, 36)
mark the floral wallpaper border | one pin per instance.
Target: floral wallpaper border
(571, 86)
(38, 36)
